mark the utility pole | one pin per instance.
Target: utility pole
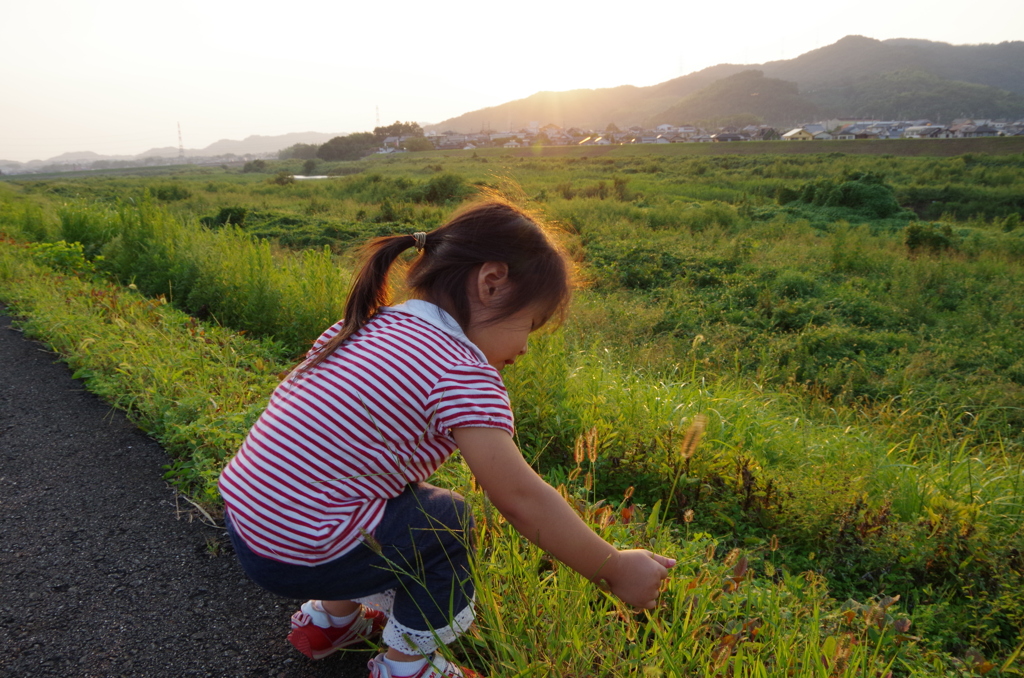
(181, 146)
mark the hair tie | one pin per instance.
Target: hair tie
(421, 240)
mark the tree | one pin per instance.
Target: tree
(351, 147)
(398, 129)
(418, 144)
(309, 167)
(298, 152)
(613, 128)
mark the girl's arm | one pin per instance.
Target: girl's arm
(540, 514)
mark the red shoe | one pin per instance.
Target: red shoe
(313, 635)
(436, 667)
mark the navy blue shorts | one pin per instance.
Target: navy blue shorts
(425, 544)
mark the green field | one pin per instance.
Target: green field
(847, 322)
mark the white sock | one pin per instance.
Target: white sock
(404, 669)
(337, 621)
(343, 621)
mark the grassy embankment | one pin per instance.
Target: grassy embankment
(853, 409)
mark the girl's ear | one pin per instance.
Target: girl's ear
(492, 282)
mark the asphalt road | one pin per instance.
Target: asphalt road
(103, 572)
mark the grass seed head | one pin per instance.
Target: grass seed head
(372, 542)
(691, 439)
(591, 445)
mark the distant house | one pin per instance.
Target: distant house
(728, 136)
(927, 132)
(983, 131)
(822, 136)
(512, 143)
(666, 129)
(701, 138)
(844, 135)
(798, 134)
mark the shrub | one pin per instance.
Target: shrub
(637, 267)
(283, 178)
(91, 227)
(1011, 222)
(931, 237)
(171, 192)
(795, 285)
(227, 215)
(62, 256)
(255, 166)
(442, 189)
(863, 192)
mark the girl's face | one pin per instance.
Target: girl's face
(504, 341)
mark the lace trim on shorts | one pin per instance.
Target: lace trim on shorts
(383, 601)
(415, 641)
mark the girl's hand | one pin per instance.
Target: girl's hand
(635, 576)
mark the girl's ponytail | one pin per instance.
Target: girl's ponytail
(370, 290)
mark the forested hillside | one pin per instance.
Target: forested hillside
(856, 76)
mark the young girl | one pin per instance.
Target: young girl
(327, 499)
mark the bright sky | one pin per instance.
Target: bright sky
(117, 76)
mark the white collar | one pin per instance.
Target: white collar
(434, 315)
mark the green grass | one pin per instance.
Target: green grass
(861, 387)
(197, 388)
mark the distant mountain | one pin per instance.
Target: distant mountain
(587, 108)
(851, 75)
(85, 156)
(251, 145)
(854, 57)
(749, 93)
(254, 144)
(911, 94)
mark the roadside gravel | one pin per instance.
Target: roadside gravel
(103, 572)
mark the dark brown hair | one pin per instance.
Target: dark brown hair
(489, 230)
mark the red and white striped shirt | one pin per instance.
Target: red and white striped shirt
(335, 443)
